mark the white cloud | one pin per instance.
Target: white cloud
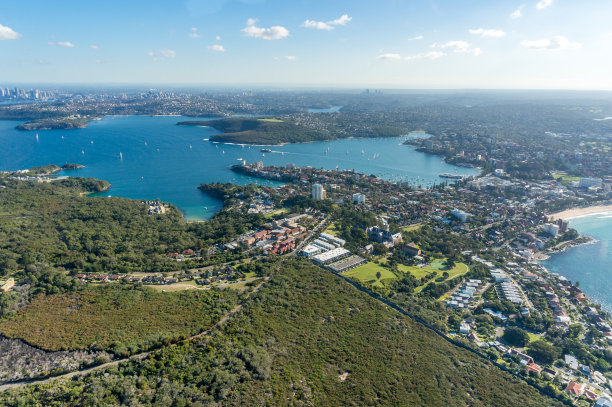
(276, 32)
(216, 48)
(542, 4)
(7, 33)
(460, 47)
(488, 33)
(194, 33)
(162, 54)
(518, 12)
(329, 25)
(342, 20)
(389, 56)
(427, 55)
(94, 47)
(167, 53)
(290, 57)
(418, 37)
(556, 42)
(218, 38)
(66, 44)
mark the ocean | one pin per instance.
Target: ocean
(589, 264)
(146, 157)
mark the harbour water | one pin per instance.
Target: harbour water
(147, 157)
(589, 264)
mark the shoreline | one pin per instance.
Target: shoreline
(562, 247)
(579, 212)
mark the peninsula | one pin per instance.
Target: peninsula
(266, 131)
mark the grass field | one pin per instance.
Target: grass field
(276, 212)
(412, 227)
(332, 230)
(116, 318)
(271, 120)
(564, 177)
(183, 285)
(368, 271)
(436, 266)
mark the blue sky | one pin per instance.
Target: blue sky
(545, 44)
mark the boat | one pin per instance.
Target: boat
(265, 150)
(451, 176)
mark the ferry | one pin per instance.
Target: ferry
(451, 176)
(265, 150)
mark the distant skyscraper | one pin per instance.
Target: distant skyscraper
(318, 192)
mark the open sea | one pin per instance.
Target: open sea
(589, 264)
(146, 157)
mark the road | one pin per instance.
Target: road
(307, 238)
(138, 356)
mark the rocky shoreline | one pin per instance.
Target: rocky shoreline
(561, 247)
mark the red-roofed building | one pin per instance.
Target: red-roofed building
(590, 395)
(574, 388)
(534, 367)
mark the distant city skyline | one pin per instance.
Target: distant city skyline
(507, 44)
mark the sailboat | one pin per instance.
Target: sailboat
(37, 137)
(83, 152)
(121, 156)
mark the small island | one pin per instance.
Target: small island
(266, 131)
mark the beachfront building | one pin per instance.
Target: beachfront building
(590, 182)
(551, 229)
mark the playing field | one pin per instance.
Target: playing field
(368, 271)
(437, 266)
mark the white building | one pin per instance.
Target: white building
(590, 182)
(318, 192)
(358, 198)
(259, 165)
(333, 239)
(331, 256)
(551, 229)
(459, 214)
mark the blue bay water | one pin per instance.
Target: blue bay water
(590, 264)
(147, 157)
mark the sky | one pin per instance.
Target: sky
(425, 44)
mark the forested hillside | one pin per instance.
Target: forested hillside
(307, 338)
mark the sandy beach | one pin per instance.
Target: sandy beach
(575, 212)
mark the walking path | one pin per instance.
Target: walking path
(138, 356)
